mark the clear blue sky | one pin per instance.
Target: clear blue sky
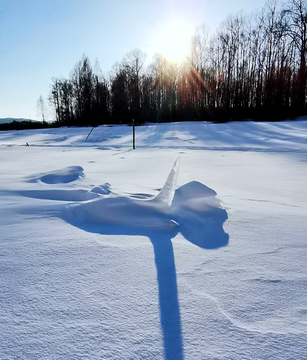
(41, 39)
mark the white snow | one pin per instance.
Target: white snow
(112, 253)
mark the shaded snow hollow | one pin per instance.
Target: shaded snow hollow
(64, 176)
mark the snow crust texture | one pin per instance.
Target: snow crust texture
(109, 253)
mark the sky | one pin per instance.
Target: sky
(42, 39)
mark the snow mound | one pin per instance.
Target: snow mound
(200, 215)
(66, 175)
(192, 209)
(124, 211)
(195, 196)
(153, 214)
(102, 189)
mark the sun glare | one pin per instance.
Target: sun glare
(173, 40)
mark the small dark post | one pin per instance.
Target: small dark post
(90, 133)
(133, 124)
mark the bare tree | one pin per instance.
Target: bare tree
(41, 108)
(297, 30)
(134, 64)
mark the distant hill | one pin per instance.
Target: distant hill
(9, 120)
(21, 124)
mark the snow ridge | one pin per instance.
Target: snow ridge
(192, 209)
(151, 214)
(166, 194)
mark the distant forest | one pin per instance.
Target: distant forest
(254, 67)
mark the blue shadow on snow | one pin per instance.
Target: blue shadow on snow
(202, 228)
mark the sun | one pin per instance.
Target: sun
(173, 39)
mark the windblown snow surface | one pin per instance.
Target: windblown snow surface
(193, 246)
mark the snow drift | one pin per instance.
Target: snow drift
(121, 291)
(191, 209)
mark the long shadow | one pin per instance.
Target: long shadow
(166, 277)
(198, 218)
(168, 296)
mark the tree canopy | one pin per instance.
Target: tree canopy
(253, 67)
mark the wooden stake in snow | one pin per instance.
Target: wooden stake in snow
(133, 124)
(90, 133)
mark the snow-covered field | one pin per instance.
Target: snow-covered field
(97, 262)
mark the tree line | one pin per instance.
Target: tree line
(253, 67)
